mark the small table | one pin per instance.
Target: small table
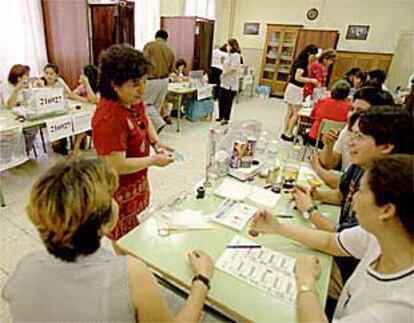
(181, 89)
(166, 256)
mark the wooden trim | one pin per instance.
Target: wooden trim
(367, 53)
(283, 25)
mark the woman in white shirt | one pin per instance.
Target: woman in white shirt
(12, 89)
(380, 289)
(217, 60)
(229, 81)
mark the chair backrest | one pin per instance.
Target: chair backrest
(327, 125)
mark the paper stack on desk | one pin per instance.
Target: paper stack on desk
(233, 214)
(263, 268)
(189, 220)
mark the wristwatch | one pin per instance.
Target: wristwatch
(203, 279)
(308, 212)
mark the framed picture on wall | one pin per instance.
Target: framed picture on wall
(357, 32)
(251, 28)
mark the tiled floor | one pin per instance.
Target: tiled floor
(18, 236)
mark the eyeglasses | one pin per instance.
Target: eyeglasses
(356, 136)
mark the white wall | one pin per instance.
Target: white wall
(387, 19)
(172, 7)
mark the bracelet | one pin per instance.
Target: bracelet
(203, 279)
(305, 289)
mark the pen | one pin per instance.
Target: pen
(285, 216)
(241, 246)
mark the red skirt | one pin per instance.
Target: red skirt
(133, 197)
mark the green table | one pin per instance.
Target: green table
(228, 295)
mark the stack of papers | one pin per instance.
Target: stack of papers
(189, 220)
(263, 268)
(234, 215)
(264, 197)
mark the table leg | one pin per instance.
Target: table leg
(2, 201)
(43, 140)
(180, 99)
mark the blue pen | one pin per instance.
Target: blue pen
(240, 246)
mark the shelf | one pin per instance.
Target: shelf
(269, 70)
(271, 56)
(273, 44)
(286, 58)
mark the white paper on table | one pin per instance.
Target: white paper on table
(233, 190)
(189, 219)
(235, 215)
(264, 197)
(263, 268)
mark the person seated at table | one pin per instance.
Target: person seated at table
(178, 74)
(334, 150)
(377, 78)
(123, 134)
(75, 279)
(349, 76)
(52, 78)
(88, 86)
(375, 132)
(381, 288)
(335, 108)
(11, 93)
(318, 70)
(11, 90)
(358, 81)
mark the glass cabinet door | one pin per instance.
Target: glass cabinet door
(286, 55)
(272, 52)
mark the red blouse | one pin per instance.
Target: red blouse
(116, 129)
(316, 71)
(331, 109)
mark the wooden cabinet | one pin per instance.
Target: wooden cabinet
(278, 56)
(192, 39)
(345, 60)
(322, 38)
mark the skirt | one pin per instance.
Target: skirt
(294, 94)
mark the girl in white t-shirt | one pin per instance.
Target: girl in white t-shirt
(11, 90)
(381, 288)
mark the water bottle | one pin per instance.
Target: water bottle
(271, 154)
(260, 150)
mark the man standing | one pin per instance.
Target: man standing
(162, 59)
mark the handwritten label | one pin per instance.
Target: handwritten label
(47, 100)
(204, 92)
(82, 122)
(59, 128)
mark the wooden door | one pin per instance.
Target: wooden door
(66, 31)
(103, 29)
(322, 38)
(205, 43)
(181, 31)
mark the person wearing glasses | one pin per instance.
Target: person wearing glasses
(75, 279)
(381, 288)
(123, 134)
(378, 131)
(334, 150)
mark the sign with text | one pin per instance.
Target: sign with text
(58, 128)
(82, 122)
(204, 92)
(47, 100)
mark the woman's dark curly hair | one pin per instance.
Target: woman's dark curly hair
(119, 64)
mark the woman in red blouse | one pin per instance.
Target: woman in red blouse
(335, 108)
(123, 133)
(319, 70)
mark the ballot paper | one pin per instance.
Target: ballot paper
(263, 268)
(189, 220)
(234, 214)
(262, 196)
(233, 190)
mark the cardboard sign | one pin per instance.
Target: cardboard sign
(204, 92)
(82, 122)
(47, 100)
(59, 128)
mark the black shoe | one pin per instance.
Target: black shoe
(218, 120)
(160, 129)
(286, 138)
(224, 122)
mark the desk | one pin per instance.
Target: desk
(181, 89)
(229, 295)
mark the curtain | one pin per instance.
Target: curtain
(147, 21)
(22, 38)
(200, 8)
